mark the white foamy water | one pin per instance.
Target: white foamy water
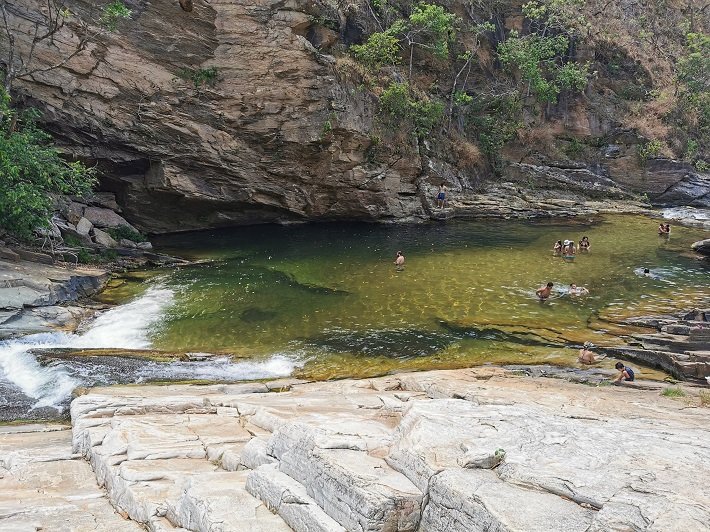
(127, 326)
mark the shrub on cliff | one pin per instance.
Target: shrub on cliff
(31, 170)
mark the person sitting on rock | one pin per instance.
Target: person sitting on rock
(626, 374)
(587, 356)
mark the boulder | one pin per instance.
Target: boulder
(102, 217)
(74, 212)
(146, 246)
(84, 226)
(107, 200)
(33, 256)
(125, 243)
(8, 254)
(102, 238)
(702, 246)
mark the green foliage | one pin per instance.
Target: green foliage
(649, 150)
(702, 166)
(380, 49)
(123, 231)
(200, 77)
(432, 25)
(461, 98)
(31, 170)
(574, 148)
(496, 120)
(558, 15)
(84, 256)
(112, 14)
(423, 113)
(426, 114)
(395, 100)
(538, 58)
(694, 95)
(673, 391)
(694, 68)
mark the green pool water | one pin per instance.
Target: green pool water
(330, 296)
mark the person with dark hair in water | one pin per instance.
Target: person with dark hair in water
(399, 261)
(584, 244)
(557, 248)
(544, 291)
(626, 374)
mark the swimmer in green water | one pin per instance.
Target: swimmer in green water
(544, 291)
(399, 261)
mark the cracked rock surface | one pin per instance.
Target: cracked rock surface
(461, 450)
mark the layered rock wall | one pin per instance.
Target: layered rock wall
(282, 130)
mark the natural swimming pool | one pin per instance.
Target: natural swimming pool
(330, 297)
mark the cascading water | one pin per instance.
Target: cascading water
(128, 327)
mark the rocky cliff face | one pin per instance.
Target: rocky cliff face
(281, 131)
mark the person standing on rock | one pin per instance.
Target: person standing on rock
(626, 374)
(399, 261)
(441, 196)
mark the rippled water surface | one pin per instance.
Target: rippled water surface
(326, 301)
(330, 297)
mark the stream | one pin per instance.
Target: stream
(326, 301)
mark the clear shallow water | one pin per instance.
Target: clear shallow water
(331, 298)
(326, 301)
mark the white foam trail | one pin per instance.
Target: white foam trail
(220, 369)
(126, 326)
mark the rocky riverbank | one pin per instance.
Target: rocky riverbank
(460, 450)
(37, 297)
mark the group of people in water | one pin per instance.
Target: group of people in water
(568, 250)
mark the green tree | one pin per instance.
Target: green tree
(422, 114)
(694, 92)
(31, 170)
(381, 48)
(430, 27)
(540, 56)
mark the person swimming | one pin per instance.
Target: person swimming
(557, 248)
(584, 244)
(544, 292)
(575, 290)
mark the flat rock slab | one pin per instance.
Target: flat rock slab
(485, 449)
(44, 486)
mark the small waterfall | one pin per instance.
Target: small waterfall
(127, 326)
